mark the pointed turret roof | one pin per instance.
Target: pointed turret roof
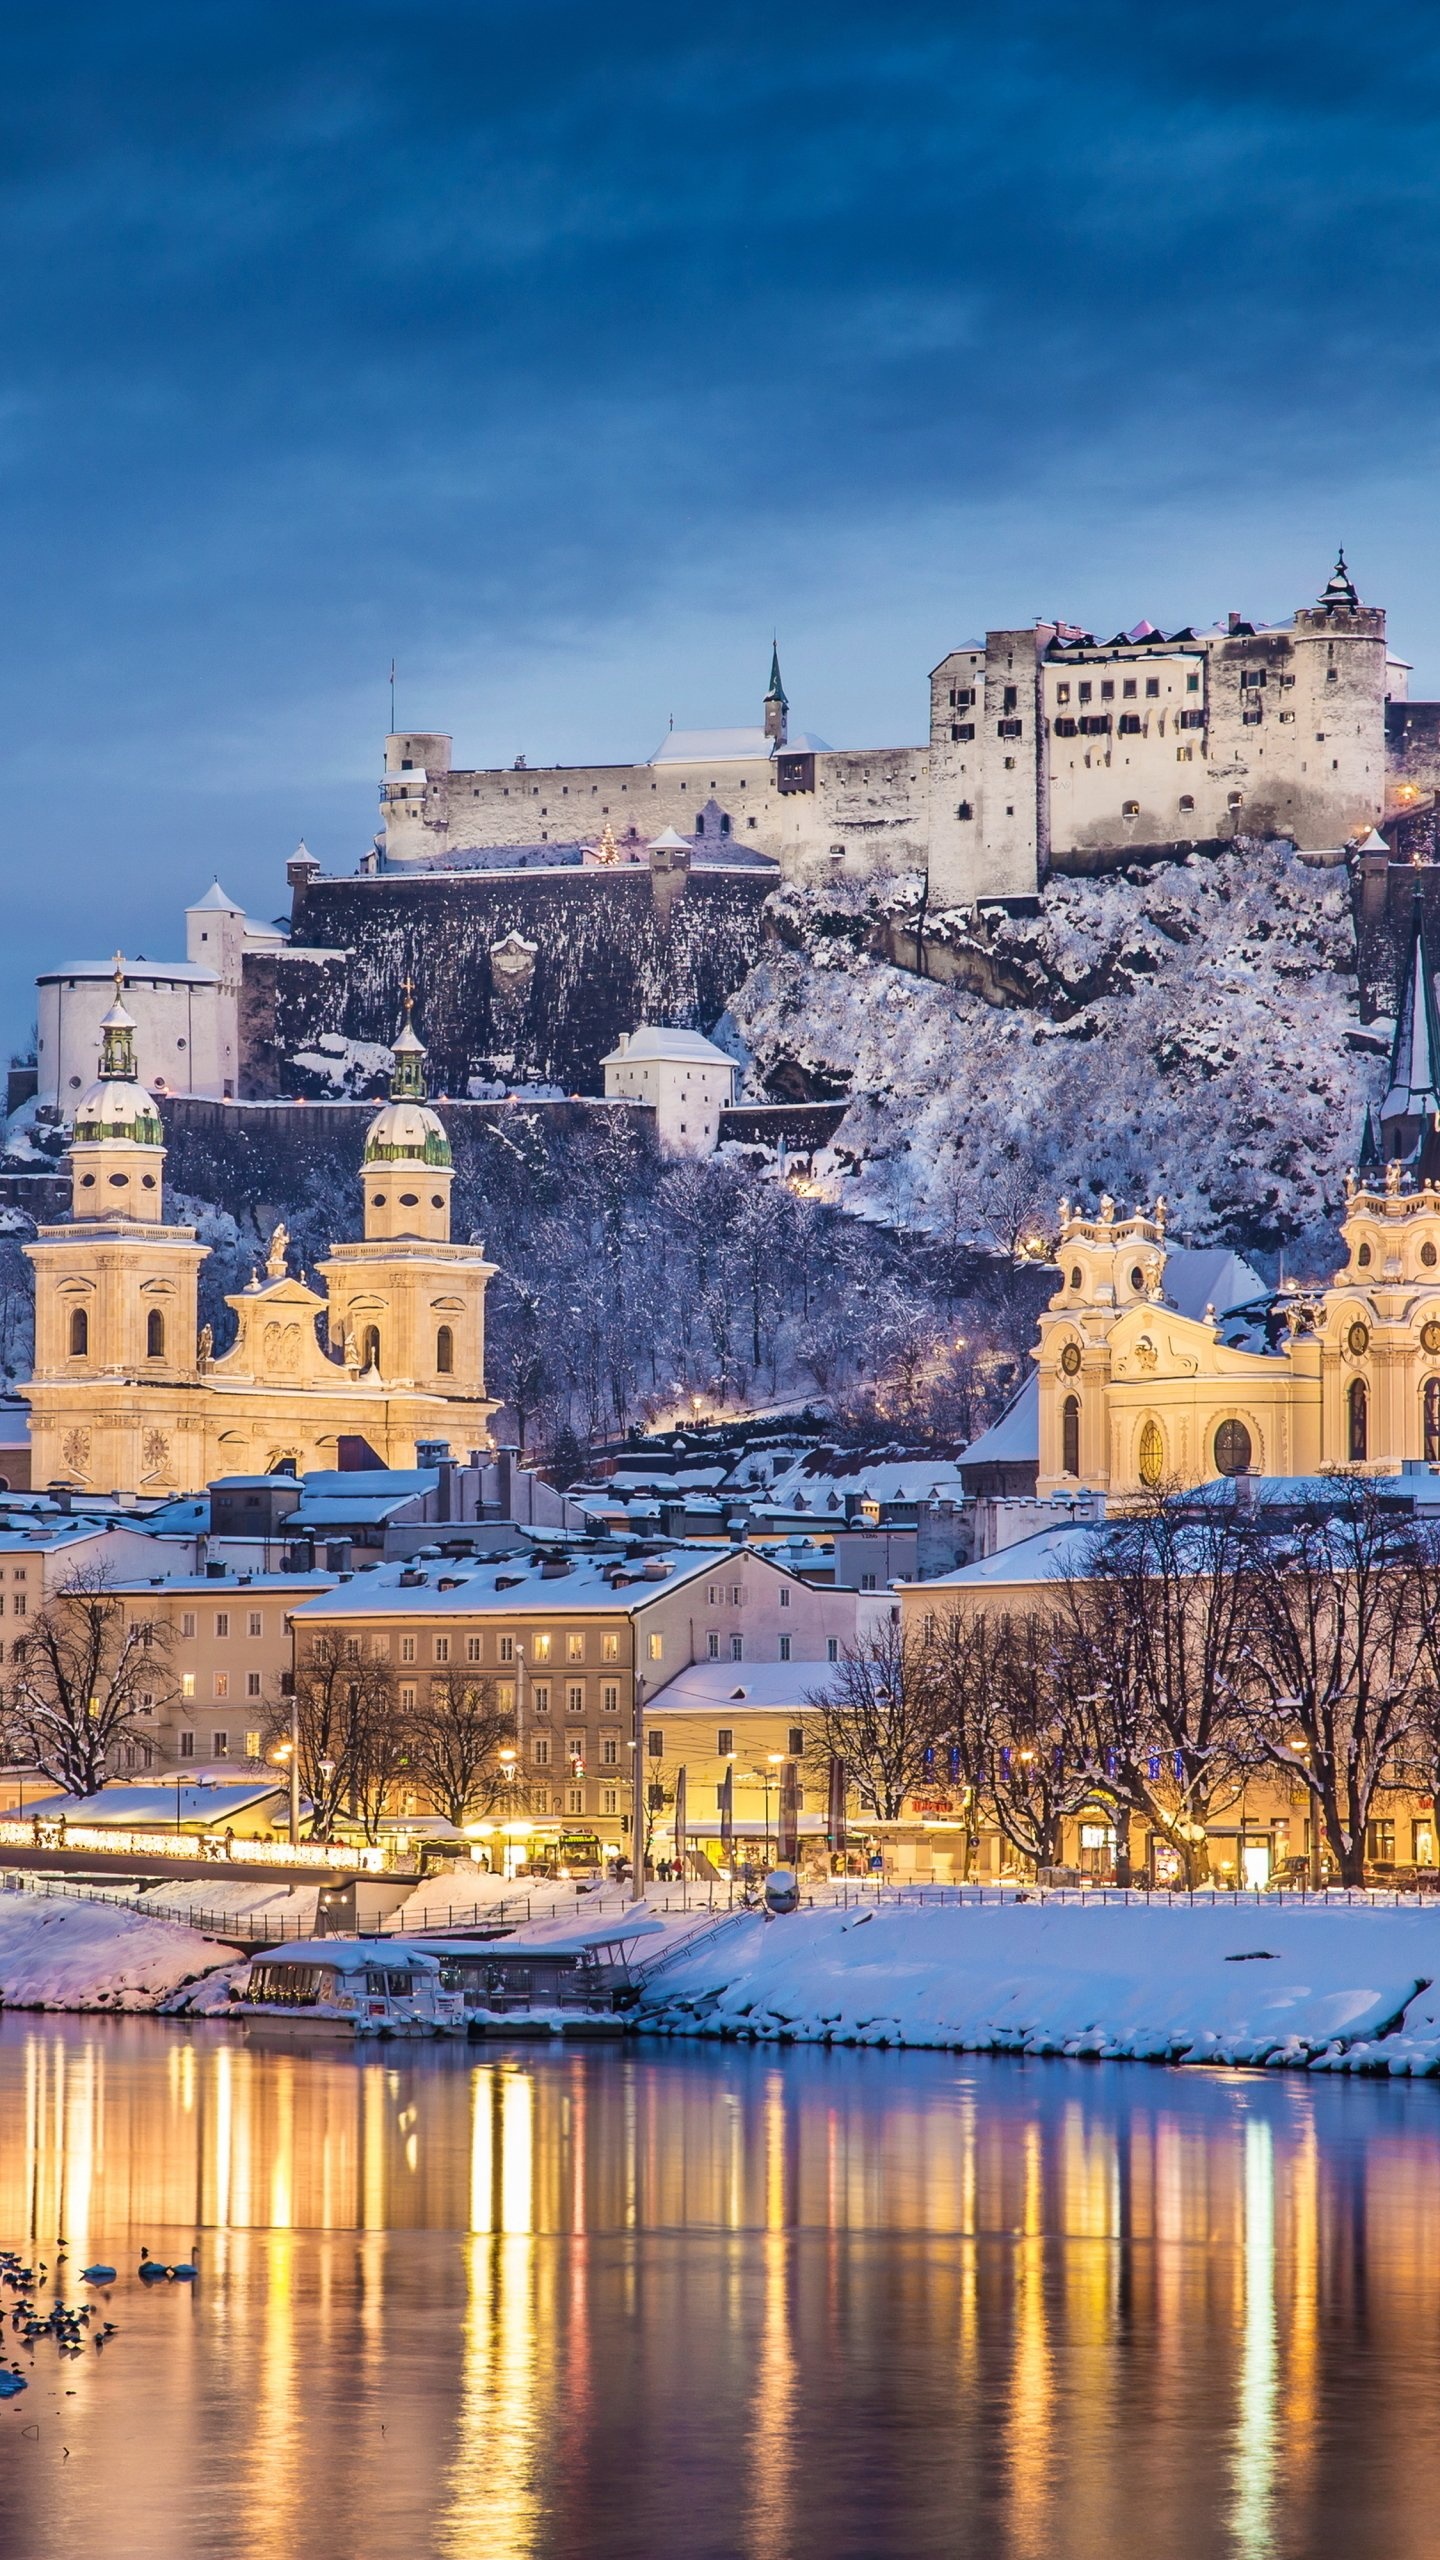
(1412, 1099)
(406, 1129)
(775, 691)
(1341, 586)
(216, 900)
(1369, 1157)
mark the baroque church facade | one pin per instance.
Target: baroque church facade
(1136, 1392)
(129, 1395)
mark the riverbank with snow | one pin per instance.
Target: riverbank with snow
(1317, 1987)
(100, 1955)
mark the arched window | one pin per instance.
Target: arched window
(1363, 1257)
(1432, 1420)
(79, 1333)
(1357, 1410)
(370, 1347)
(1152, 1454)
(445, 1351)
(1232, 1449)
(1070, 1436)
(154, 1335)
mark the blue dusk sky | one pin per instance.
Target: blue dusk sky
(564, 353)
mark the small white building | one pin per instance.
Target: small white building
(686, 1078)
(187, 1012)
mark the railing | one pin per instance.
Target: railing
(308, 1856)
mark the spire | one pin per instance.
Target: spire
(117, 1035)
(1413, 1096)
(1341, 588)
(1369, 1157)
(407, 1079)
(776, 706)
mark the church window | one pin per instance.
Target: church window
(370, 1348)
(377, 1199)
(1137, 1276)
(118, 1181)
(1075, 1277)
(1152, 1454)
(437, 1200)
(445, 1351)
(79, 1333)
(154, 1335)
(1363, 1257)
(1427, 1254)
(409, 1199)
(1070, 1436)
(1233, 1449)
(87, 1181)
(1357, 1408)
(1432, 1420)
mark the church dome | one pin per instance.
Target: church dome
(115, 1107)
(406, 1131)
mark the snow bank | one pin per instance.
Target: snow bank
(1332, 1989)
(99, 1955)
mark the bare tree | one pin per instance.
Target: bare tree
(453, 1745)
(1339, 1674)
(1042, 1769)
(880, 1713)
(1160, 1621)
(85, 1674)
(353, 1742)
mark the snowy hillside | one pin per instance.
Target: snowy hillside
(1194, 1030)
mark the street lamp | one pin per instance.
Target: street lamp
(774, 1760)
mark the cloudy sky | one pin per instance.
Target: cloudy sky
(563, 353)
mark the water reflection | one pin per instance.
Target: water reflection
(732, 2303)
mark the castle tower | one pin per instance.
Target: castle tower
(115, 1296)
(777, 709)
(407, 1304)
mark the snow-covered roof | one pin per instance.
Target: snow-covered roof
(1015, 1438)
(1211, 1276)
(712, 1688)
(1060, 1549)
(731, 746)
(138, 973)
(466, 1586)
(654, 1040)
(216, 899)
(135, 1808)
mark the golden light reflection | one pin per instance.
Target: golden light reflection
(500, 2300)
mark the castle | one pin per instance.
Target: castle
(1048, 750)
(127, 1396)
(548, 911)
(1139, 1387)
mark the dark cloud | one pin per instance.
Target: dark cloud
(560, 350)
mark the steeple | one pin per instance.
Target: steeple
(407, 1076)
(776, 707)
(1412, 1101)
(1341, 587)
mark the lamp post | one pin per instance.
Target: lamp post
(773, 1760)
(637, 1795)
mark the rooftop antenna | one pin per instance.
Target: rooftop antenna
(392, 697)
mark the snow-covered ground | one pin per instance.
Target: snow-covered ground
(1334, 1988)
(1194, 1030)
(100, 1955)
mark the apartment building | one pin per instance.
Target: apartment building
(222, 1668)
(566, 1638)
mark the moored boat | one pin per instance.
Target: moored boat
(350, 1986)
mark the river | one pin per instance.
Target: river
(718, 2302)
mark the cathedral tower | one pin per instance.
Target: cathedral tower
(407, 1305)
(115, 1295)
